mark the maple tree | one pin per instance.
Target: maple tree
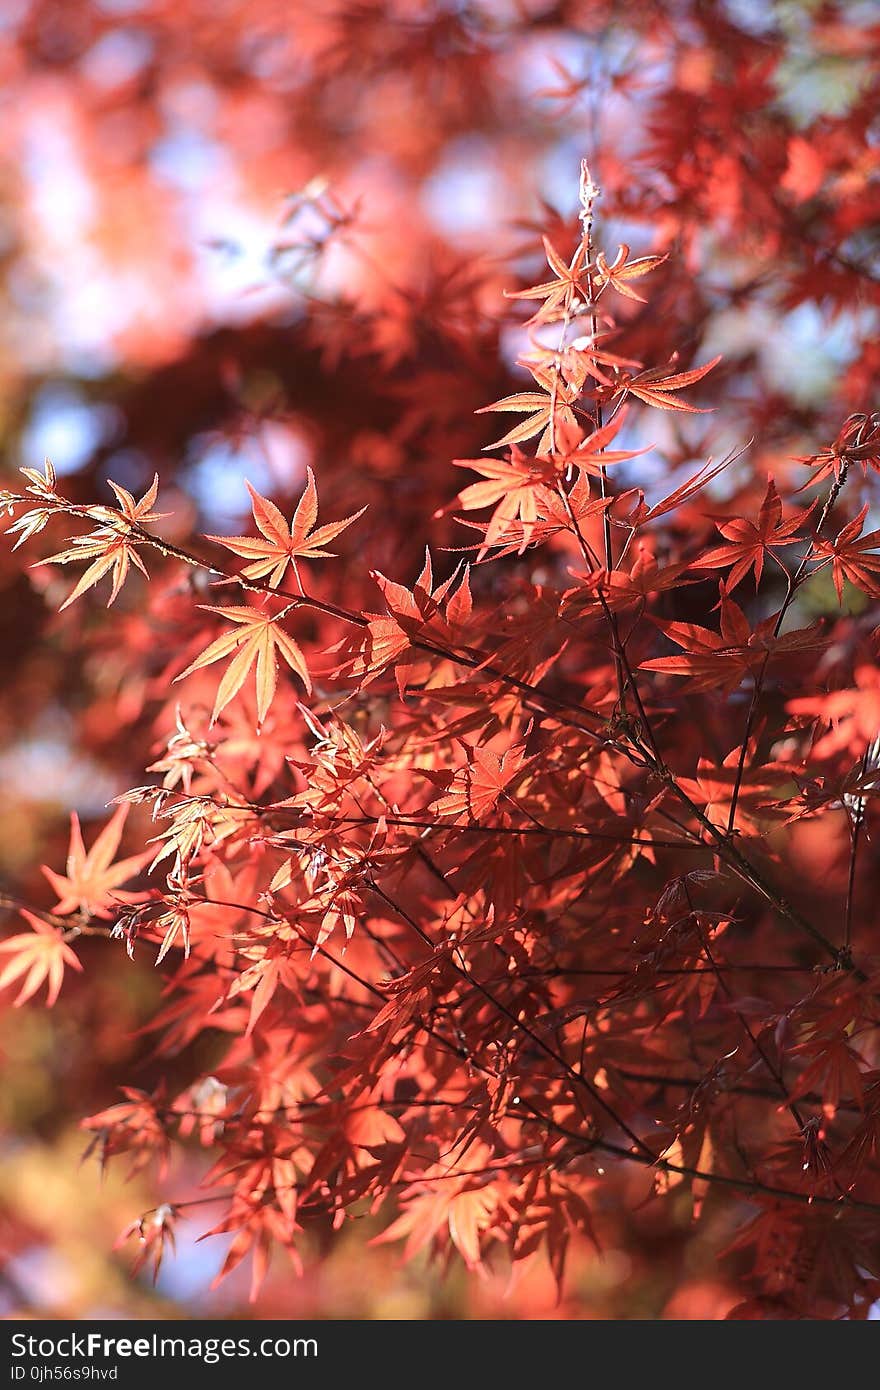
(505, 847)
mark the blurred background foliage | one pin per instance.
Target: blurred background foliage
(240, 236)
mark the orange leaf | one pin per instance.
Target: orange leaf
(258, 639)
(37, 957)
(280, 544)
(92, 883)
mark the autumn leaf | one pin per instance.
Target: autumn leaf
(470, 1213)
(622, 270)
(620, 587)
(853, 556)
(476, 788)
(536, 404)
(721, 659)
(512, 487)
(281, 544)
(256, 639)
(463, 1209)
(135, 1127)
(554, 397)
(748, 543)
(835, 1069)
(857, 445)
(590, 454)
(37, 957)
(33, 521)
(370, 1126)
(112, 546)
(92, 882)
(155, 1234)
(655, 388)
(569, 287)
(712, 658)
(851, 715)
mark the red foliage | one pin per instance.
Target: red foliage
(489, 890)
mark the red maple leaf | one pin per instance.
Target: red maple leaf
(92, 882)
(721, 659)
(476, 788)
(37, 957)
(256, 640)
(853, 556)
(655, 387)
(281, 543)
(749, 543)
